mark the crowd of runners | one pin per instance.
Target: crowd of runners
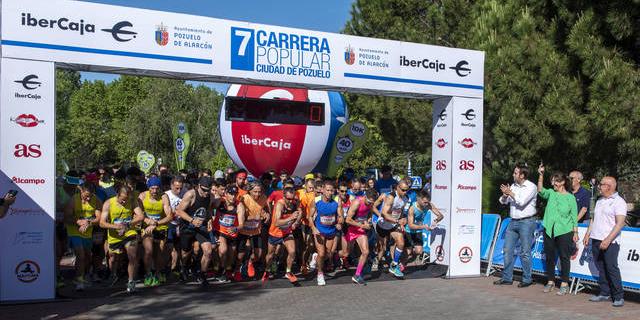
(230, 226)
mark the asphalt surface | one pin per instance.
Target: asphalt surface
(421, 295)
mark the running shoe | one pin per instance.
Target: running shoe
(304, 270)
(131, 286)
(265, 277)
(223, 279)
(374, 264)
(395, 270)
(155, 281)
(314, 261)
(292, 278)
(80, 284)
(321, 281)
(148, 279)
(162, 278)
(201, 279)
(358, 280)
(251, 271)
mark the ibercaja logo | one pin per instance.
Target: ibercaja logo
(274, 128)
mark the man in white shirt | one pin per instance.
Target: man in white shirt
(604, 231)
(521, 198)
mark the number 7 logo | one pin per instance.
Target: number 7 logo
(242, 49)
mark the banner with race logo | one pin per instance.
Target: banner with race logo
(145, 161)
(182, 141)
(350, 137)
(583, 267)
(195, 47)
(27, 165)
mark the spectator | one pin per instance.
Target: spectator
(560, 228)
(521, 198)
(604, 231)
(583, 197)
(6, 202)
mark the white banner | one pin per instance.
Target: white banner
(119, 39)
(27, 160)
(442, 126)
(582, 265)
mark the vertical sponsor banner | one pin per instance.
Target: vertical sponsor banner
(27, 164)
(441, 168)
(466, 187)
(182, 141)
(350, 137)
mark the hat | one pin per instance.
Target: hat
(153, 182)
(309, 176)
(218, 174)
(205, 182)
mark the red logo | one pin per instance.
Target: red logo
(467, 165)
(27, 151)
(465, 254)
(441, 143)
(27, 271)
(27, 120)
(441, 165)
(254, 140)
(441, 187)
(463, 187)
(467, 143)
(35, 181)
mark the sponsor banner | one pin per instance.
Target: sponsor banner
(229, 51)
(538, 258)
(583, 266)
(27, 159)
(466, 176)
(182, 141)
(145, 161)
(441, 178)
(351, 137)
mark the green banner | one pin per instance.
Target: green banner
(181, 144)
(350, 137)
(146, 161)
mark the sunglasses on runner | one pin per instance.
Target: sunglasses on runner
(342, 190)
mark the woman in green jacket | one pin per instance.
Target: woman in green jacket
(560, 224)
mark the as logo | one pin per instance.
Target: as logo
(29, 82)
(119, 33)
(467, 165)
(27, 151)
(461, 68)
(441, 165)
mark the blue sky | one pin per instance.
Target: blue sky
(330, 16)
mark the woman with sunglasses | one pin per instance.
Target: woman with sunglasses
(359, 222)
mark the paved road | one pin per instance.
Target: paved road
(417, 298)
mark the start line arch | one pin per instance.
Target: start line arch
(39, 36)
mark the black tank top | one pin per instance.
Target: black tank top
(200, 207)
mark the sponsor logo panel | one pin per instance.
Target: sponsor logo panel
(27, 271)
(465, 254)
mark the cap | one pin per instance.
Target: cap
(309, 176)
(153, 182)
(218, 174)
(205, 182)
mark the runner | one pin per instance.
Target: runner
(226, 224)
(120, 216)
(81, 214)
(326, 223)
(286, 218)
(415, 228)
(379, 241)
(393, 221)
(303, 235)
(271, 202)
(345, 200)
(241, 183)
(195, 211)
(154, 234)
(252, 211)
(359, 221)
(170, 201)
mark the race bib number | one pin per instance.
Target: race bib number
(328, 220)
(252, 224)
(227, 220)
(153, 217)
(396, 214)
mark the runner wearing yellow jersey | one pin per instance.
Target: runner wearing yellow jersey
(120, 215)
(81, 213)
(154, 234)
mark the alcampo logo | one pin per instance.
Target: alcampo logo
(465, 187)
(35, 181)
(119, 33)
(61, 23)
(29, 82)
(266, 142)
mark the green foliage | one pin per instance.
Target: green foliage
(110, 123)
